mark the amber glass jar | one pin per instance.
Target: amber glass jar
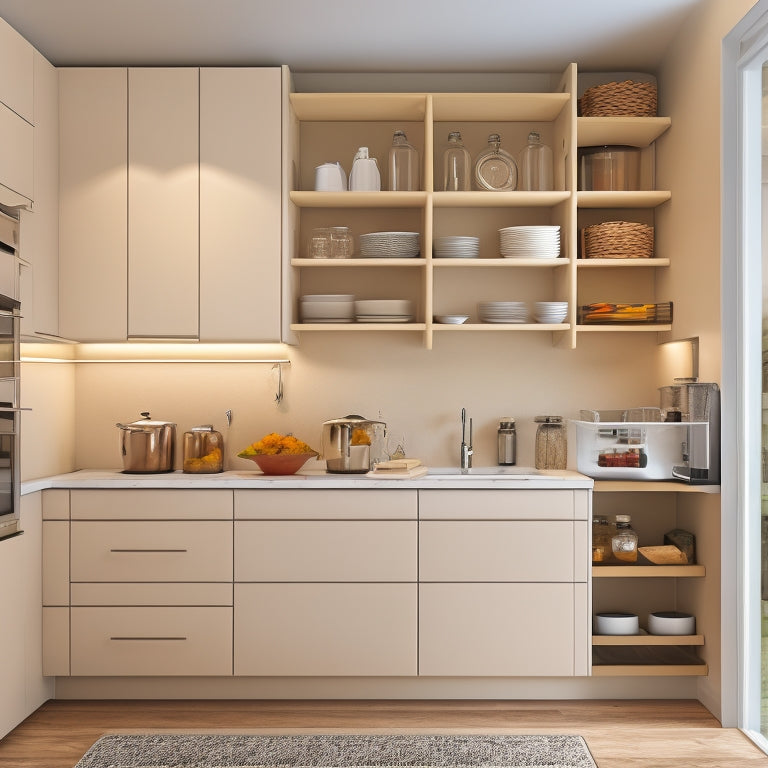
(203, 450)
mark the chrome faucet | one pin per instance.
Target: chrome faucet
(466, 448)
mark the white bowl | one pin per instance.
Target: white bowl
(671, 623)
(451, 319)
(327, 310)
(616, 624)
(388, 307)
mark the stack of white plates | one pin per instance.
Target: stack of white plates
(384, 311)
(457, 247)
(550, 311)
(534, 242)
(389, 245)
(502, 311)
(327, 308)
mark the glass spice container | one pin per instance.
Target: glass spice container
(203, 451)
(624, 540)
(551, 443)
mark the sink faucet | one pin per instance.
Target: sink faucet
(466, 449)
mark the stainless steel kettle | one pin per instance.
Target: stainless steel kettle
(353, 444)
(147, 446)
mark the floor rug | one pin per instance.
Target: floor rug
(336, 751)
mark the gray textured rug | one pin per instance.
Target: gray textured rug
(332, 751)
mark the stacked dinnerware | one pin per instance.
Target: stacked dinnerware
(534, 242)
(383, 311)
(389, 245)
(327, 308)
(550, 311)
(457, 247)
(502, 311)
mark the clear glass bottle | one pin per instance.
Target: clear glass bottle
(551, 443)
(403, 164)
(624, 540)
(495, 168)
(507, 442)
(203, 451)
(602, 533)
(536, 172)
(456, 164)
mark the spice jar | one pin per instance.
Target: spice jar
(203, 451)
(624, 541)
(551, 443)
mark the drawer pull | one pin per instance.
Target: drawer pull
(148, 550)
(147, 638)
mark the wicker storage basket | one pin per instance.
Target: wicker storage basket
(628, 98)
(618, 240)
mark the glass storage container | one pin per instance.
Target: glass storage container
(495, 168)
(507, 442)
(456, 162)
(403, 164)
(551, 443)
(624, 540)
(203, 451)
(536, 173)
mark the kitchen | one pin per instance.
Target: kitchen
(392, 376)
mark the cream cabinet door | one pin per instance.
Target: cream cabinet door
(521, 630)
(325, 629)
(240, 204)
(93, 203)
(16, 154)
(16, 72)
(163, 181)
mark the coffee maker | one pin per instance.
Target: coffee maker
(696, 404)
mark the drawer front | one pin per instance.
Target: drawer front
(519, 630)
(325, 629)
(350, 504)
(456, 504)
(151, 593)
(319, 550)
(151, 504)
(484, 550)
(197, 550)
(151, 641)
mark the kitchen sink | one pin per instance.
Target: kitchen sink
(517, 473)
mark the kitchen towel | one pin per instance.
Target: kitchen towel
(336, 751)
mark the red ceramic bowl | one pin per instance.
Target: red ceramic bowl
(281, 463)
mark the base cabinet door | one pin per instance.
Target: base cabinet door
(152, 641)
(325, 629)
(511, 629)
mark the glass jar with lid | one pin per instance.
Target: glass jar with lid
(536, 172)
(624, 540)
(495, 168)
(456, 164)
(403, 164)
(551, 443)
(203, 451)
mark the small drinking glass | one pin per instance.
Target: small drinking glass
(320, 244)
(342, 244)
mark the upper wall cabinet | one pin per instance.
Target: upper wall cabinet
(173, 229)
(16, 72)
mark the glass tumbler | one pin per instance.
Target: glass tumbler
(342, 244)
(320, 244)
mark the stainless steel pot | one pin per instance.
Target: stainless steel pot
(147, 446)
(353, 444)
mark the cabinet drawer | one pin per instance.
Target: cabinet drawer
(151, 641)
(199, 550)
(146, 504)
(484, 550)
(332, 504)
(519, 630)
(325, 550)
(325, 629)
(499, 505)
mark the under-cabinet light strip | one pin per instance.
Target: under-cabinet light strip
(152, 360)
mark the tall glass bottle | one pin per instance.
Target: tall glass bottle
(536, 173)
(456, 164)
(495, 168)
(403, 164)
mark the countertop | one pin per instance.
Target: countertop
(477, 478)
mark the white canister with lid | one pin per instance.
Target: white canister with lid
(365, 176)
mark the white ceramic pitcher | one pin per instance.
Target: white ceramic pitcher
(364, 176)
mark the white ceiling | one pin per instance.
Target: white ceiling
(354, 35)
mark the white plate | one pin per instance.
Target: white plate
(387, 307)
(384, 318)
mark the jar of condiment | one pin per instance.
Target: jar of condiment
(624, 540)
(551, 443)
(507, 442)
(203, 451)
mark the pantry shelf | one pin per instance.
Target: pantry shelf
(311, 199)
(647, 571)
(621, 263)
(642, 199)
(647, 640)
(499, 261)
(624, 328)
(649, 670)
(334, 107)
(465, 327)
(353, 327)
(658, 486)
(332, 263)
(506, 107)
(514, 199)
(626, 131)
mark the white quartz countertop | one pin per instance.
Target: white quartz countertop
(480, 477)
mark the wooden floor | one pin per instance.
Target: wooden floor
(620, 734)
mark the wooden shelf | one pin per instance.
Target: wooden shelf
(647, 571)
(336, 107)
(627, 131)
(356, 327)
(647, 328)
(641, 199)
(651, 486)
(514, 199)
(499, 261)
(331, 263)
(505, 107)
(384, 199)
(649, 670)
(464, 327)
(647, 639)
(621, 263)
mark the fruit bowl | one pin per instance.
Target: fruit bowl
(281, 463)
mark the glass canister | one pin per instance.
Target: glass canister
(551, 443)
(507, 440)
(456, 162)
(624, 540)
(203, 450)
(602, 533)
(403, 164)
(495, 168)
(536, 172)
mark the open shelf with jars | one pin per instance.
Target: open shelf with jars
(329, 128)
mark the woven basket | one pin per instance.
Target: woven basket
(618, 240)
(628, 98)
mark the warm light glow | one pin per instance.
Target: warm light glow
(679, 359)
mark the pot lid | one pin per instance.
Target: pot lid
(354, 419)
(145, 423)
